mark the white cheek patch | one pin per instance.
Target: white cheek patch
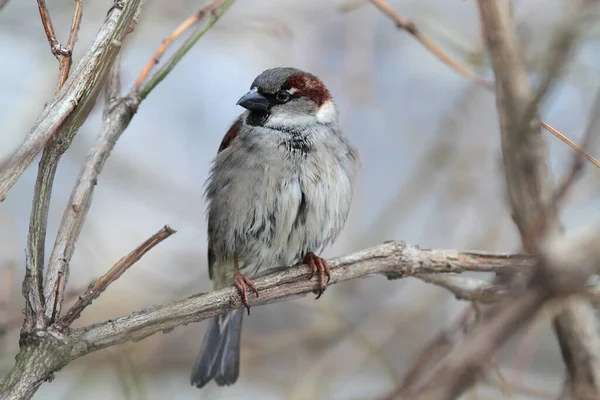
(327, 112)
(288, 120)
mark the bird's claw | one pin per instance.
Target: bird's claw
(319, 264)
(242, 283)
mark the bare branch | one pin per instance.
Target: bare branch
(117, 115)
(571, 144)
(215, 9)
(524, 152)
(465, 288)
(73, 102)
(98, 287)
(57, 49)
(413, 30)
(391, 259)
(3, 3)
(577, 163)
(527, 177)
(184, 26)
(564, 268)
(394, 260)
(65, 61)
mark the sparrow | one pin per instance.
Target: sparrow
(278, 193)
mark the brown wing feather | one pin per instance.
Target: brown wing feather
(230, 135)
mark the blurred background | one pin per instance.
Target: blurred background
(431, 175)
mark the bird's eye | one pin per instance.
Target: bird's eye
(282, 96)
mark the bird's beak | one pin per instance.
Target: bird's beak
(254, 101)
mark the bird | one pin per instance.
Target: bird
(278, 193)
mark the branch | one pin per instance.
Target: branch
(412, 29)
(215, 9)
(577, 163)
(73, 102)
(528, 183)
(524, 151)
(44, 352)
(391, 259)
(65, 61)
(465, 288)
(118, 112)
(184, 26)
(57, 49)
(563, 270)
(117, 115)
(42, 300)
(98, 287)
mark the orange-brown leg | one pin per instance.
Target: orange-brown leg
(242, 283)
(319, 264)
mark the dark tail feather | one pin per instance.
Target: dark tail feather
(219, 356)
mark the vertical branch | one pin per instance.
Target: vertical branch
(117, 114)
(529, 187)
(523, 150)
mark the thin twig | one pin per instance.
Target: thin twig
(571, 144)
(66, 61)
(215, 10)
(411, 28)
(414, 31)
(57, 49)
(184, 26)
(95, 289)
(577, 163)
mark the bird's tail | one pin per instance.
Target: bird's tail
(219, 357)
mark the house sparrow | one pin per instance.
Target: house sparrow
(279, 193)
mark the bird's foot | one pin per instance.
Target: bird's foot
(319, 264)
(242, 283)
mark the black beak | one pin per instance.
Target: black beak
(254, 101)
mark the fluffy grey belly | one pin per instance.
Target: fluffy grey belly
(280, 224)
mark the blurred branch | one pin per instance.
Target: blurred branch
(412, 29)
(577, 163)
(215, 9)
(465, 288)
(73, 102)
(563, 270)
(3, 3)
(98, 287)
(527, 177)
(524, 151)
